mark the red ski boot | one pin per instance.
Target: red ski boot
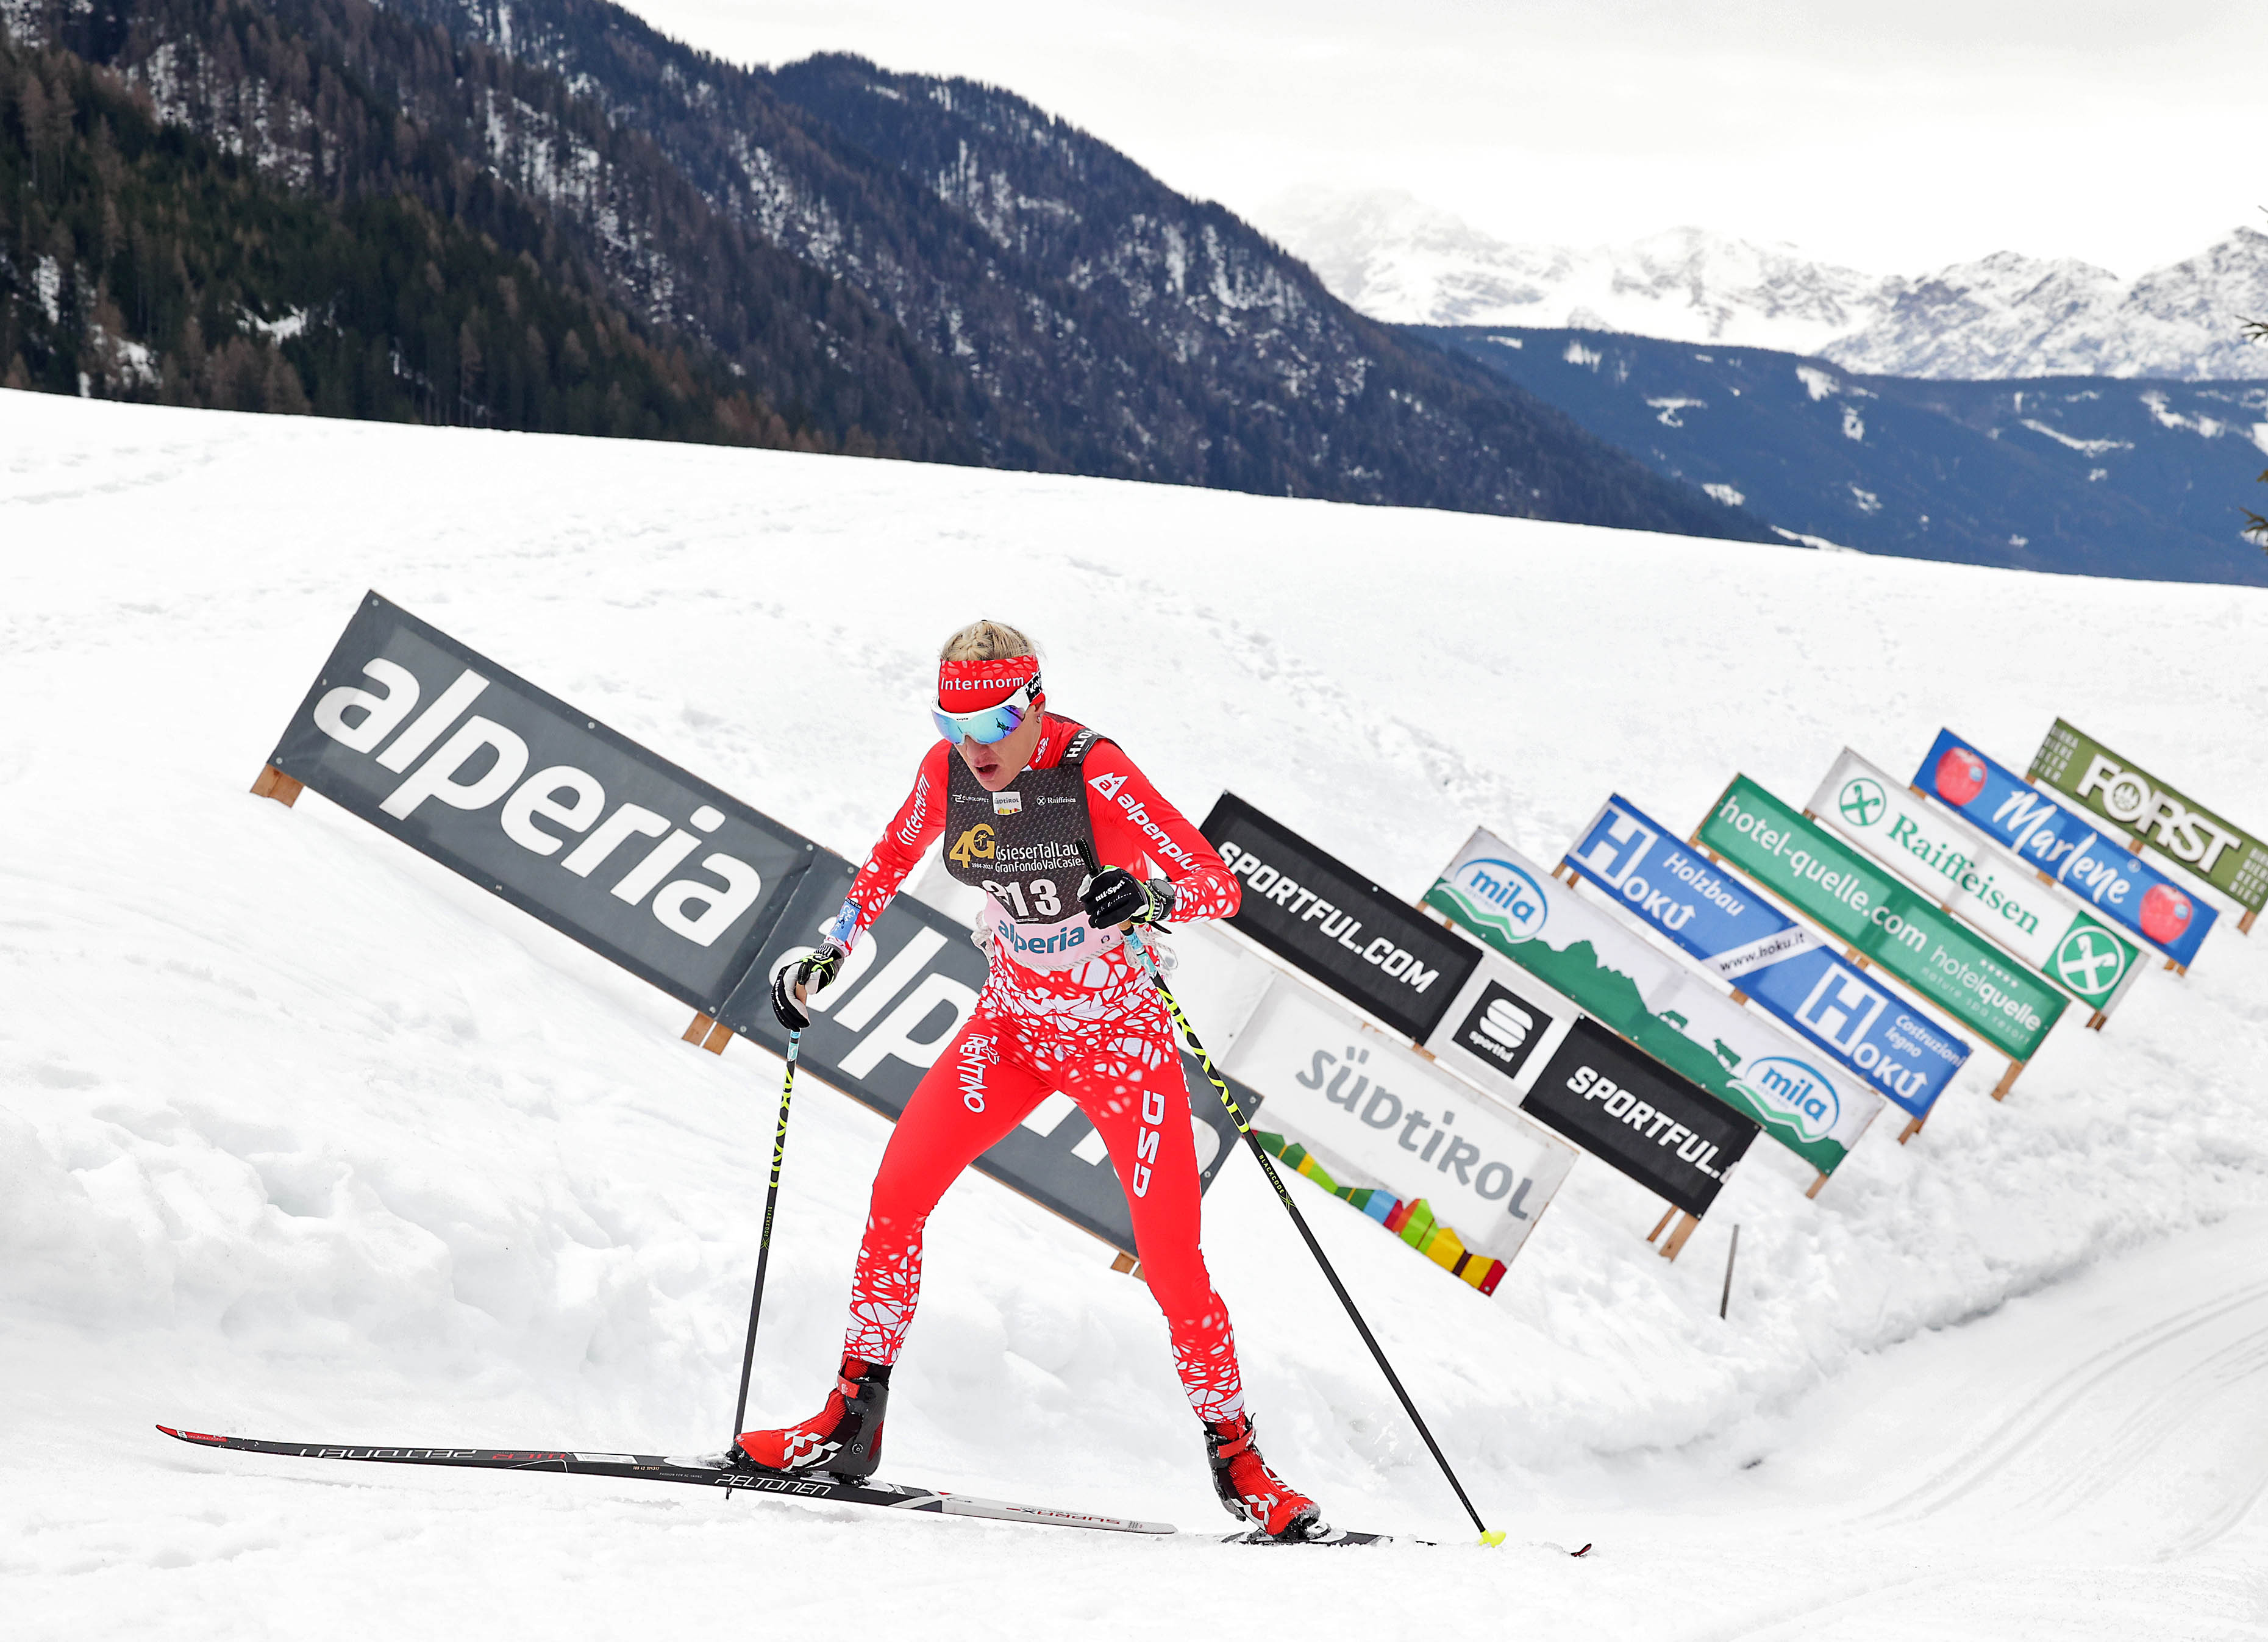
(1253, 1494)
(844, 1439)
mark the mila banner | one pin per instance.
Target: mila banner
(1776, 962)
(1376, 1113)
(1882, 919)
(1978, 882)
(2139, 805)
(1655, 1128)
(1584, 954)
(905, 994)
(644, 863)
(1321, 917)
(2064, 844)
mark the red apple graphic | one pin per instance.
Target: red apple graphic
(1960, 776)
(2165, 914)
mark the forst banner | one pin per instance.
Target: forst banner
(1322, 917)
(1622, 1107)
(1583, 953)
(646, 865)
(2139, 805)
(1882, 918)
(1779, 964)
(1376, 1113)
(1979, 882)
(2061, 842)
(904, 993)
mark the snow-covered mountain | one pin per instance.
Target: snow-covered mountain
(1398, 259)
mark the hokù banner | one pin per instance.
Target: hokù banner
(903, 995)
(1583, 953)
(648, 865)
(1376, 1114)
(1984, 884)
(1622, 1107)
(2220, 852)
(2066, 846)
(1882, 918)
(1767, 957)
(1322, 917)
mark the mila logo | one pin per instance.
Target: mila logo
(1802, 1091)
(1506, 894)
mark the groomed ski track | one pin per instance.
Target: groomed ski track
(298, 1133)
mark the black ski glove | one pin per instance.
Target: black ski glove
(813, 975)
(1114, 896)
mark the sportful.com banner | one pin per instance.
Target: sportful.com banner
(1882, 918)
(646, 865)
(2064, 844)
(2220, 852)
(905, 994)
(1375, 1113)
(1583, 953)
(1776, 962)
(1979, 882)
(1321, 917)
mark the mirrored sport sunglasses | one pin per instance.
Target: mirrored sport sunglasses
(988, 724)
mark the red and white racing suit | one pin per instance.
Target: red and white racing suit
(1071, 1010)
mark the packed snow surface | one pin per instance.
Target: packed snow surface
(303, 1136)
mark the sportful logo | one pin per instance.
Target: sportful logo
(1507, 897)
(1264, 882)
(561, 795)
(1796, 1088)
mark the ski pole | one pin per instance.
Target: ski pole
(764, 1243)
(1489, 1537)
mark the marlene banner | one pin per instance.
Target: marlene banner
(1609, 970)
(2220, 852)
(1376, 1113)
(1776, 962)
(1978, 882)
(1882, 918)
(644, 863)
(904, 993)
(1324, 917)
(2066, 846)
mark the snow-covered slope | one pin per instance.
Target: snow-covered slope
(2005, 315)
(301, 1135)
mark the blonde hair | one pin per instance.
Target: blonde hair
(986, 641)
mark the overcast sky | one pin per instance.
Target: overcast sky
(1897, 135)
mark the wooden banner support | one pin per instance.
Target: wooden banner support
(1673, 1245)
(274, 784)
(1740, 996)
(2244, 923)
(2134, 844)
(2008, 1080)
(1912, 1127)
(2094, 1022)
(1563, 868)
(1127, 1265)
(1659, 1225)
(2178, 969)
(712, 1035)
(1816, 1184)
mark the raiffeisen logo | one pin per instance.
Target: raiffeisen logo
(1785, 1084)
(1504, 895)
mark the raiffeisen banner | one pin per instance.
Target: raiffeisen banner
(2139, 805)
(1983, 884)
(1773, 960)
(1882, 919)
(1608, 969)
(2066, 846)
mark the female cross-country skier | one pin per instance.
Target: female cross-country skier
(1016, 791)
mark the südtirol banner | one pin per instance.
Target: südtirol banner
(1376, 1113)
(1882, 918)
(2220, 852)
(1582, 951)
(1991, 890)
(1776, 962)
(2066, 846)
(644, 863)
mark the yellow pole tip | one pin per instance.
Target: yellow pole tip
(1494, 1536)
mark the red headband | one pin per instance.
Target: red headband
(968, 685)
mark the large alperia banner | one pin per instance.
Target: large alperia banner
(2066, 846)
(2220, 852)
(1882, 919)
(1977, 881)
(1777, 963)
(1608, 969)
